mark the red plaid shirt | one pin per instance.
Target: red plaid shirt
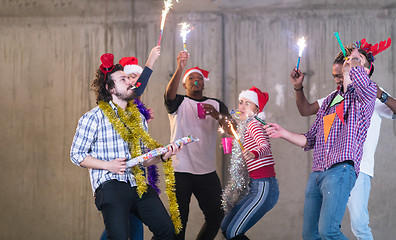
(345, 141)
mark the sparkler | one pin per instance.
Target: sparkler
(301, 43)
(184, 30)
(236, 136)
(167, 7)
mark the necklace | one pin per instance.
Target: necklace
(129, 126)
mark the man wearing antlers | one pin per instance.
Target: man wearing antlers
(385, 107)
(337, 138)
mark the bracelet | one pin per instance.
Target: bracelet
(300, 89)
(162, 159)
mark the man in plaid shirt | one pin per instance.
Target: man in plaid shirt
(98, 146)
(337, 138)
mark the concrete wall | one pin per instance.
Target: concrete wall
(50, 51)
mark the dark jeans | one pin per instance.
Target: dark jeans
(207, 190)
(135, 229)
(117, 199)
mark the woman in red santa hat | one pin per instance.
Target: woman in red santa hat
(253, 189)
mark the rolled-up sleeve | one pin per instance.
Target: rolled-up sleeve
(86, 133)
(311, 134)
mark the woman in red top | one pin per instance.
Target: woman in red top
(243, 210)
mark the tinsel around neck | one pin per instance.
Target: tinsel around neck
(128, 125)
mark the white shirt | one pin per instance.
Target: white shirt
(198, 157)
(380, 111)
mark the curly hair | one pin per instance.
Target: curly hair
(99, 84)
(369, 63)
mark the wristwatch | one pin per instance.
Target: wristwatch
(384, 97)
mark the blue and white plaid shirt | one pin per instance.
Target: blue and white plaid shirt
(95, 136)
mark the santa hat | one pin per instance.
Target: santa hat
(130, 65)
(204, 73)
(107, 65)
(257, 97)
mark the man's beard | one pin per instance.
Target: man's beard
(127, 97)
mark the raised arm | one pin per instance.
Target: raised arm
(304, 107)
(145, 76)
(173, 85)
(355, 73)
(154, 55)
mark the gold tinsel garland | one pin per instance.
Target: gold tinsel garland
(128, 125)
(170, 192)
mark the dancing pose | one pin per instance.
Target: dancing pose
(108, 136)
(243, 210)
(337, 137)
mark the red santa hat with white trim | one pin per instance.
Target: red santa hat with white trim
(258, 97)
(130, 65)
(204, 73)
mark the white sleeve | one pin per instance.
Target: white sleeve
(383, 110)
(320, 101)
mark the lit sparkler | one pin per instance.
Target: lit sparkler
(184, 30)
(236, 136)
(301, 43)
(167, 7)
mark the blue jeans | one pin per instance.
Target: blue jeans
(357, 205)
(135, 229)
(262, 197)
(326, 198)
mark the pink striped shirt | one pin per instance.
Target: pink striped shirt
(257, 141)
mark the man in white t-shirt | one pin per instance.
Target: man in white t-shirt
(385, 107)
(195, 168)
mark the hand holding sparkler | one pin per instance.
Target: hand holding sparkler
(301, 43)
(182, 59)
(297, 78)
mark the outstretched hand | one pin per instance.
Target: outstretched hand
(273, 130)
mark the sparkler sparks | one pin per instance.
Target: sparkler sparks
(301, 43)
(184, 30)
(236, 136)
